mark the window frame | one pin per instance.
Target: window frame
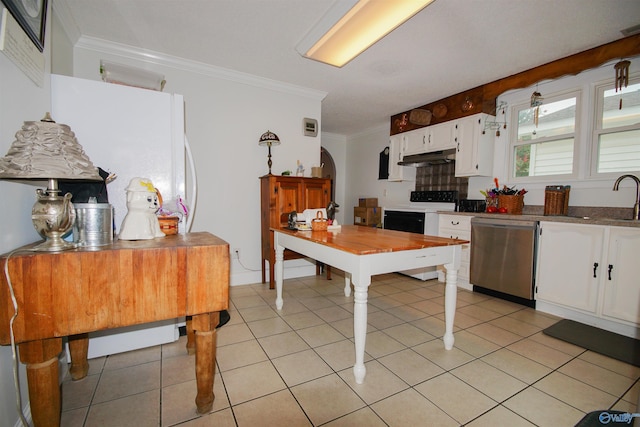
(597, 130)
(576, 92)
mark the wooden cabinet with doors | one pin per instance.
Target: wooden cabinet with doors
(280, 195)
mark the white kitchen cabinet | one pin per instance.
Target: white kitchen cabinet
(621, 275)
(474, 146)
(569, 264)
(396, 153)
(457, 227)
(589, 273)
(441, 136)
(415, 141)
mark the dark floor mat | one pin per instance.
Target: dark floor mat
(604, 342)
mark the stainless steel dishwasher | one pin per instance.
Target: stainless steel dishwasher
(503, 258)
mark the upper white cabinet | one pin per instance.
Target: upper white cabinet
(474, 146)
(415, 141)
(395, 155)
(441, 136)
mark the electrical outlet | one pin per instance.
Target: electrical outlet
(235, 253)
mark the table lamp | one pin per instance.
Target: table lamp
(48, 151)
(269, 138)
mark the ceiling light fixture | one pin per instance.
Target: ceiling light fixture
(350, 27)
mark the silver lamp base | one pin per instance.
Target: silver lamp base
(53, 216)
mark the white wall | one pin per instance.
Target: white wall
(20, 100)
(363, 151)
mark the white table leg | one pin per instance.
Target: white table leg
(450, 296)
(347, 284)
(360, 329)
(279, 274)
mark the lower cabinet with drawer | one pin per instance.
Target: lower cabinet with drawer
(457, 227)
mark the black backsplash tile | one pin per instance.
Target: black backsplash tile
(441, 177)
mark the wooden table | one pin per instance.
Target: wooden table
(362, 252)
(71, 293)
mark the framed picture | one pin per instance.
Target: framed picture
(31, 15)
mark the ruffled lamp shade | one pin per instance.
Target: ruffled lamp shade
(48, 151)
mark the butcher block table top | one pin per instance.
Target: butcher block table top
(360, 240)
(71, 293)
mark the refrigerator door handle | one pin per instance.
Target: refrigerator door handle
(193, 194)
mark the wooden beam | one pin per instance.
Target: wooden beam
(570, 65)
(484, 97)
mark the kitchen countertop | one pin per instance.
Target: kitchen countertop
(554, 218)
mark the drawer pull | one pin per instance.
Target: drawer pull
(455, 223)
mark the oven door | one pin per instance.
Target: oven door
(412, 222)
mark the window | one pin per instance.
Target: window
(616, 133)
(545, 143)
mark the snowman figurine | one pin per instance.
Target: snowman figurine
(141, 222)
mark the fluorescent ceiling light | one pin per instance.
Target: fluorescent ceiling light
(351, 26)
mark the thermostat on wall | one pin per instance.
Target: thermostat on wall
(310, 127)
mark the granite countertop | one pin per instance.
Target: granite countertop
(578, 215)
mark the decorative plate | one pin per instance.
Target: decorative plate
(439, 111)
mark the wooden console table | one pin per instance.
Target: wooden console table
(72, 293)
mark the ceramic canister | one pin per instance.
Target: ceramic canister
(94, 224)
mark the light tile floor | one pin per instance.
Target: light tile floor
(294, 367)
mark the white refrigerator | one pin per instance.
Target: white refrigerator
(131, 132)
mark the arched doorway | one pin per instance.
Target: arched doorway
(328, 169)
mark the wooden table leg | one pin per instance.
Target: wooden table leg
(191, 338)
(78, 349)
(204, 326)
(41, 358)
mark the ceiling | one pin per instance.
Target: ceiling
(447, 48)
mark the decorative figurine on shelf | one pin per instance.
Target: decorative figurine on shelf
(300, 169)
(331, 210)
(141, 222)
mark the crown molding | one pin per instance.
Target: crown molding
(153, 57)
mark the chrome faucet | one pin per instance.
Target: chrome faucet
(636, 207)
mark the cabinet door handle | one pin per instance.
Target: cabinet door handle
(609, 271)
(424, 139)
(595, 267)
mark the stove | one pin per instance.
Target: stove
(428, 201)
(419, 216)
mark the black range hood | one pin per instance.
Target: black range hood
(426, 159)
